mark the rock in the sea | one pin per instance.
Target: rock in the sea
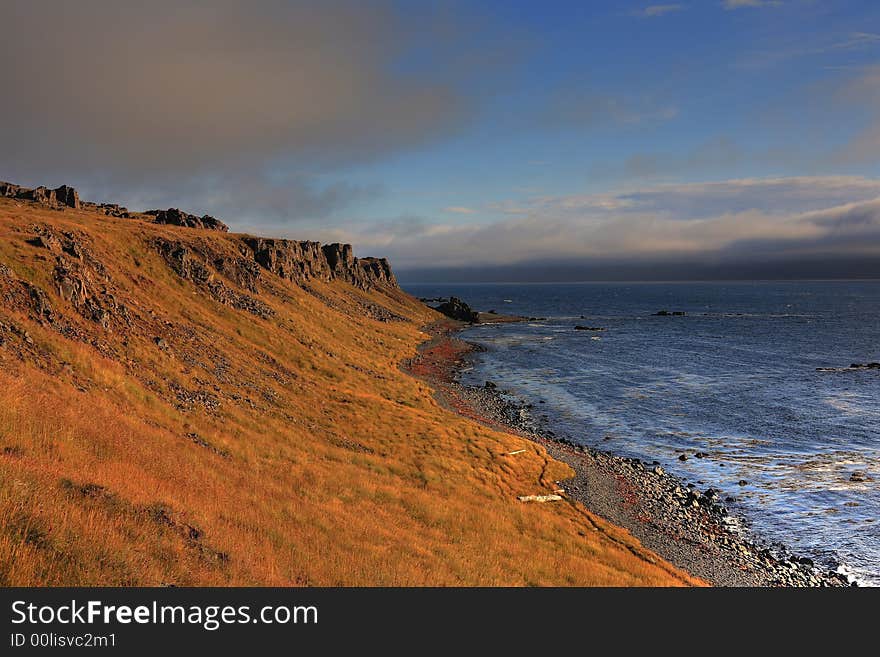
(858, 476)
(588, 328)
(667, 313)
(457, 309)
(683, 457)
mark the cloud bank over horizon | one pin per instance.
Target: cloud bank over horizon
(774, 219)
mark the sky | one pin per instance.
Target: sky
(471, 140)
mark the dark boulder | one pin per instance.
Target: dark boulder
(340, 257)
(457, 309)
(60, 197)
(68, 196)
(114, 210)
(175, 217)
(9, 190)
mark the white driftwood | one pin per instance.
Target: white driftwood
(539, 498)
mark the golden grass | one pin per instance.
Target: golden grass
(332, 467)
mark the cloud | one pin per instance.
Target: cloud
(742, 4)
(458, 209)
(727, 220)
(573, 108)
(254, 199)
(828, 46)
(127, 97)
(652, 11)
(713, 154)
(859, 97)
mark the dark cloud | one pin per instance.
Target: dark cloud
(831, 266)
(123, 97)
(251, 198)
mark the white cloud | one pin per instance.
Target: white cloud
(840, 214)
(652, 11)
(741, 4)
(459, 209)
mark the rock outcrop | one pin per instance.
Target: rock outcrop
(377, 271)
(300, 262)
(297, 261)
(60, 197)
(175, 217)
(457, 309)
(196, 267)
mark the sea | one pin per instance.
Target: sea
(740, 378)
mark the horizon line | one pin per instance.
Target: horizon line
(656, 282)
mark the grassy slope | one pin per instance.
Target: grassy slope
(331, 467)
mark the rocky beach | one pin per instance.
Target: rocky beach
(697, 530)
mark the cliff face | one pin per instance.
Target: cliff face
(303, 261)
(297, 261)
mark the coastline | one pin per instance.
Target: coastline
(689, 528)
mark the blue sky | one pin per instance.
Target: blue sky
(469, 133)
(598, 89)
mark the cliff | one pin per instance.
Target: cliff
(184, 406)
(293, 260)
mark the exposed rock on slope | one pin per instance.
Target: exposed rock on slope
(192, 267)
(297, 261)
(303, 261)
(175, 217)
(60, 197)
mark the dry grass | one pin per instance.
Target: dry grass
(323, 465)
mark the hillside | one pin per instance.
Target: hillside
(188, 406)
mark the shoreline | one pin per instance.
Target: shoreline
(691, 529)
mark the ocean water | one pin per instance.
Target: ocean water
(736, 378)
